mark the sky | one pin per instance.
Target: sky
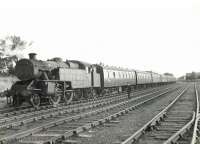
(162, 36)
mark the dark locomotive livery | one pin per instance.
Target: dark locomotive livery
(54, 80)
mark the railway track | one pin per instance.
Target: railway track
(7, 118)
(97, 133)
(13, 115)
(24, 109)
(188, 135)
(19, 131)
(192, 135)
(170, 124)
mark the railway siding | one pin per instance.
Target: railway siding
(26, 129)
(43, 114)
(115, 130)
(192, 134)
(86, 121)
(178, 116)
(189, 134)
(6, 112)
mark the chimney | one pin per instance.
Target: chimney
(32, 56)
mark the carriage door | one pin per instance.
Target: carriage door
(92, 76)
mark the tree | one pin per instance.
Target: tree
(11, 46)
(10, 50)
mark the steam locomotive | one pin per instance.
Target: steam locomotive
(55, 80)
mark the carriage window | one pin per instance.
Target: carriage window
(133, 74)
(105, 74)
(87, 69)
(113, 74)
(94, 69)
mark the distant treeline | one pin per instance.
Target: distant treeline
(6, 66)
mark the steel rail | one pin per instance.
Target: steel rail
(23, 109)
(67, 119)
(68, 110)
(94, 123)
(180, 133)
(75, 103)
(194, 122)
(194, 134)
(7, 119)
(43, 115)
(152, 122)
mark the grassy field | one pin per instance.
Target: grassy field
(6, 82)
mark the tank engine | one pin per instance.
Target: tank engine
(39, 81)
(55, 80)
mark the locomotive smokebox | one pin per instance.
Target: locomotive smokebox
(32, 56)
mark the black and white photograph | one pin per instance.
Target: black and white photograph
(99, 72)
